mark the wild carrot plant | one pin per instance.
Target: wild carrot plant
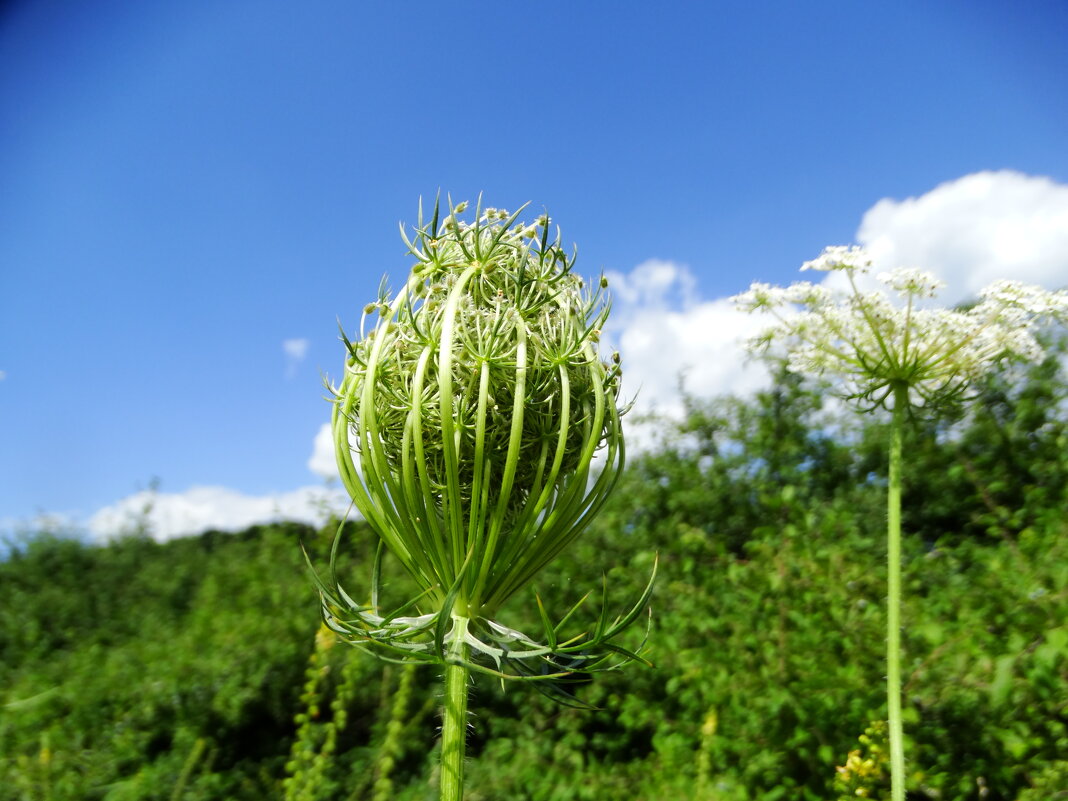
(478, 432)
(900, 357)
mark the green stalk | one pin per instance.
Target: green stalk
(392, 745)
(454, 725)
(187, 769)
(893, 604)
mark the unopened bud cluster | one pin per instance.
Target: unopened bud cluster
(466, 427)
(519, 329)
(477, 399)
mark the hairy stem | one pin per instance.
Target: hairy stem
(893, 603)
(454, 725)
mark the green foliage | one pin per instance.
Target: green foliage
(781, 647)
(998, 471)
(738, 470)
(165, 671)
(1050, 785)
(120, 660)
(315, 745)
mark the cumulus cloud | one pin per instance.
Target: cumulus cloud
(168, 515)
(653, 284)
(322, 461)
(295, 351)
(667, 334)
(975, 230)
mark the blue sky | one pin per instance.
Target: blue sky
(186, 187)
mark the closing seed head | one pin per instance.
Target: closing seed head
(475, 405)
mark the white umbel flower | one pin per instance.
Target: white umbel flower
(873, 345)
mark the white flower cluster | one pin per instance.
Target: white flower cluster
(877, 347)
(839, 258)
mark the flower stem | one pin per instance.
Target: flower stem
(893, 604)
(392, 744)
(454, 725)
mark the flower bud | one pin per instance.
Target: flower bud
(465, 430)
(508, 333)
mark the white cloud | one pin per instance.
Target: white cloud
(169, 515)
(663, 329)
(3, 375)
(654, 284)
(295, 351)
(975, 230)
(322, 461)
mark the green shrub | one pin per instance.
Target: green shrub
(128, 669)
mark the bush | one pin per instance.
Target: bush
(189, 669)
